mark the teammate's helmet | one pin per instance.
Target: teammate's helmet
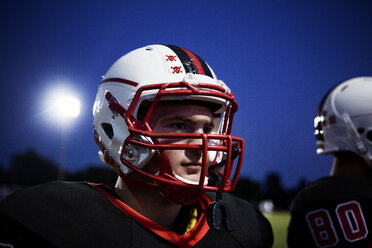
(125, 102)
(344, 119)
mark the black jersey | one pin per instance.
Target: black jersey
(72, 214)
(332, 212)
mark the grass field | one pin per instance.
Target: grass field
(279, 222)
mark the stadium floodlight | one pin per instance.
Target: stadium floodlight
(68, 106)
(61, 105)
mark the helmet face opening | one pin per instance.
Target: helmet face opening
(133, 89)
(218, 143)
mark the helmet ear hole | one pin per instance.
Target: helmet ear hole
(369, 136)
(107, 128)
(360, 130)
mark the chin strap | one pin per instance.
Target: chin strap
(213, 215)
(362, 148)
(219, 210)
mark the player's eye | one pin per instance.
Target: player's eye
(179, 126)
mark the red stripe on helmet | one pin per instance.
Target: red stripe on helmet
(198, 65)
(119, 80)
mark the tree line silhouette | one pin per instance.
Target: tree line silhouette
(29, 168)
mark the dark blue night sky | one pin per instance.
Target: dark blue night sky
(278, 57)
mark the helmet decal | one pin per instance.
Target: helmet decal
(190, 61)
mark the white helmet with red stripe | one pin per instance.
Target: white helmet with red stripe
(126, 99)
(344, 119)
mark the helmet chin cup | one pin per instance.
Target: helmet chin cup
(182, 179)
(186, 194)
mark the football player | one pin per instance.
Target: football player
(162, 121)
(336, 211)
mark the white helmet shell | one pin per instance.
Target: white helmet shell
(344, 119)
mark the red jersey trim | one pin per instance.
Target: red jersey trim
(183, 240)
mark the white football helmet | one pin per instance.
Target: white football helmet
(125, 101)
(344, 119)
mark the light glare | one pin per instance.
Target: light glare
(68, 106)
